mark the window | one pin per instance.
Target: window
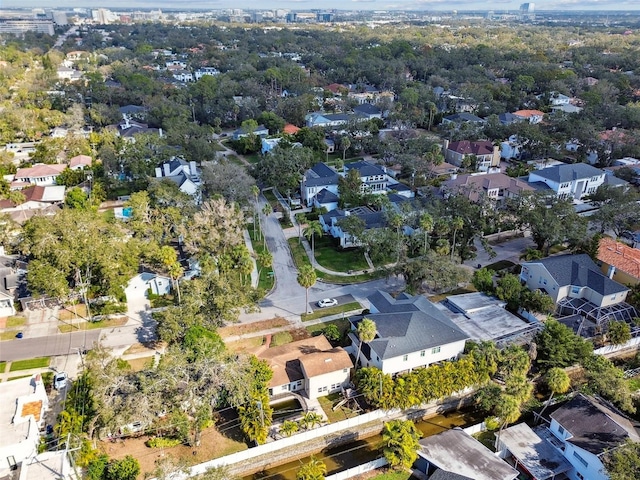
(613, 297)
(579, 475)
(344, 370)
(405, 358)
(320, 390)
(435, 350)
(423, 353)
(575, 289)
(561, 430)
(580, 459)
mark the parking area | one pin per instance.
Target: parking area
(341, 299)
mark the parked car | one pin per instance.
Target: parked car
(327, 302)
(60, 381)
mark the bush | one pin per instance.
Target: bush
(109, 308)
(162, 442)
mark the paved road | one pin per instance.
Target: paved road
(48, 346)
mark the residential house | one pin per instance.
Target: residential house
(69, 74)
(290, 129)
(259, 131)
(485, 154)
(268, 144)
(569, 180)
(40, 174)
(184, 174)
(317, 178)
(374, 179)
(330, 223)
(495, 186)
(321, 119)
(326, 199)
(619, 261)
(309, 367)
(151, 283)
(182, 75)
(580, 433)
(458, 119)
(531, 116)
(533, 452)
(132, 111)
(460, 456)
(511, 148)
(23, 403)
(368, 111)
(80, 162)
(411, 332)
(508, 118)
(566, 109)
(578, 286)
(128, 129)
(588, 429)
(204, 71)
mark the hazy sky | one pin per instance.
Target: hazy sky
(448, 5)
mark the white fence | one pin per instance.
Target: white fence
(352, 472)
(609, 349)
(291, 442)
(477, 428)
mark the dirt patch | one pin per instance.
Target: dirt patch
(140, 348)
(214, 445)
(299, 334)
(3, 322)
(245, 328)
(246, 345)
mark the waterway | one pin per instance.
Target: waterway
(362, 451)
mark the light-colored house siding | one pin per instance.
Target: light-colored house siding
(418, 359)
(536, 276)
(322, 385)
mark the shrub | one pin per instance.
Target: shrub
(163, 442)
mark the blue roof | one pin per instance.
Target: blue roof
(326, 196)
(320, 174)
(366, 169)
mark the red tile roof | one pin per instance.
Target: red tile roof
(465, 147)
(621, 256)
(290, 129)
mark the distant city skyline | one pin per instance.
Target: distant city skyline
(423, 5)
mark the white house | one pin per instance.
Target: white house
(154, 283)
(23, 403)
(260, 131)
(330, 223)
(317, 178)
(511, 148)
(374, 179)
(570, 180)
(581, 433)
(531, 116)
(204, 71)
(310, 367)
(184, 174)
(411, 332)
(39, 174)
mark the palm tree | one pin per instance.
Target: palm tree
(456, 224)
(558, 382)
(256, 192)
(315, 469)
(307, 279)
(289, 428)
(345, 143)
(266, 210)
(366, 331)
(508, 410)
(426, 224)
(311, 419)
(265, 259)
(400, 443)
(313, 228)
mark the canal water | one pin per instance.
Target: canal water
(362, 451)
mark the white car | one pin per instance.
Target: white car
(60, 381)
(327, 302)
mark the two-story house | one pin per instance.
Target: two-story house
(330, 223)
(570, 180)
(318, 178)
(495, 186)
(374, 179)
(309, 367)
(411, 332)
(184, 174)
(485, 154)
(581, 432)
(578, 286)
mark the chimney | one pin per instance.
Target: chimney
(611, 271)
(192, 169)
(445, 146)
(158, 172)
(166, 168)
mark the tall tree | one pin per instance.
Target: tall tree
(306, 279)
(312, 229)
(623, 463)
(366, 331)
(314, 469)
(557, 381)
(400, 443)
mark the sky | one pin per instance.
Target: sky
(428, 5)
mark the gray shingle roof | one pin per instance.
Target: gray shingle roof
(320, 174)
(365, 169)
(367, 109)
(593, 425)
(568, 172)
(326, 196)
(409, 325)
(580, 270)
(464, 117)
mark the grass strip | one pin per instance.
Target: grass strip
(326, 312)
(40, 362)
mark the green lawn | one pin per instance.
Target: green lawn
(271, 198)
(265, 282)
(339, 414)
(325, 312)
(3, 366)
(342, 324)
(253, 158)
(300, 258)
(280, 338)
(338, 260)
(634, 384)
(72, 327)
(16, 321)
(41, 362)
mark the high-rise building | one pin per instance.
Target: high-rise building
(60, 18)
(18, 27)
(527, 11)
